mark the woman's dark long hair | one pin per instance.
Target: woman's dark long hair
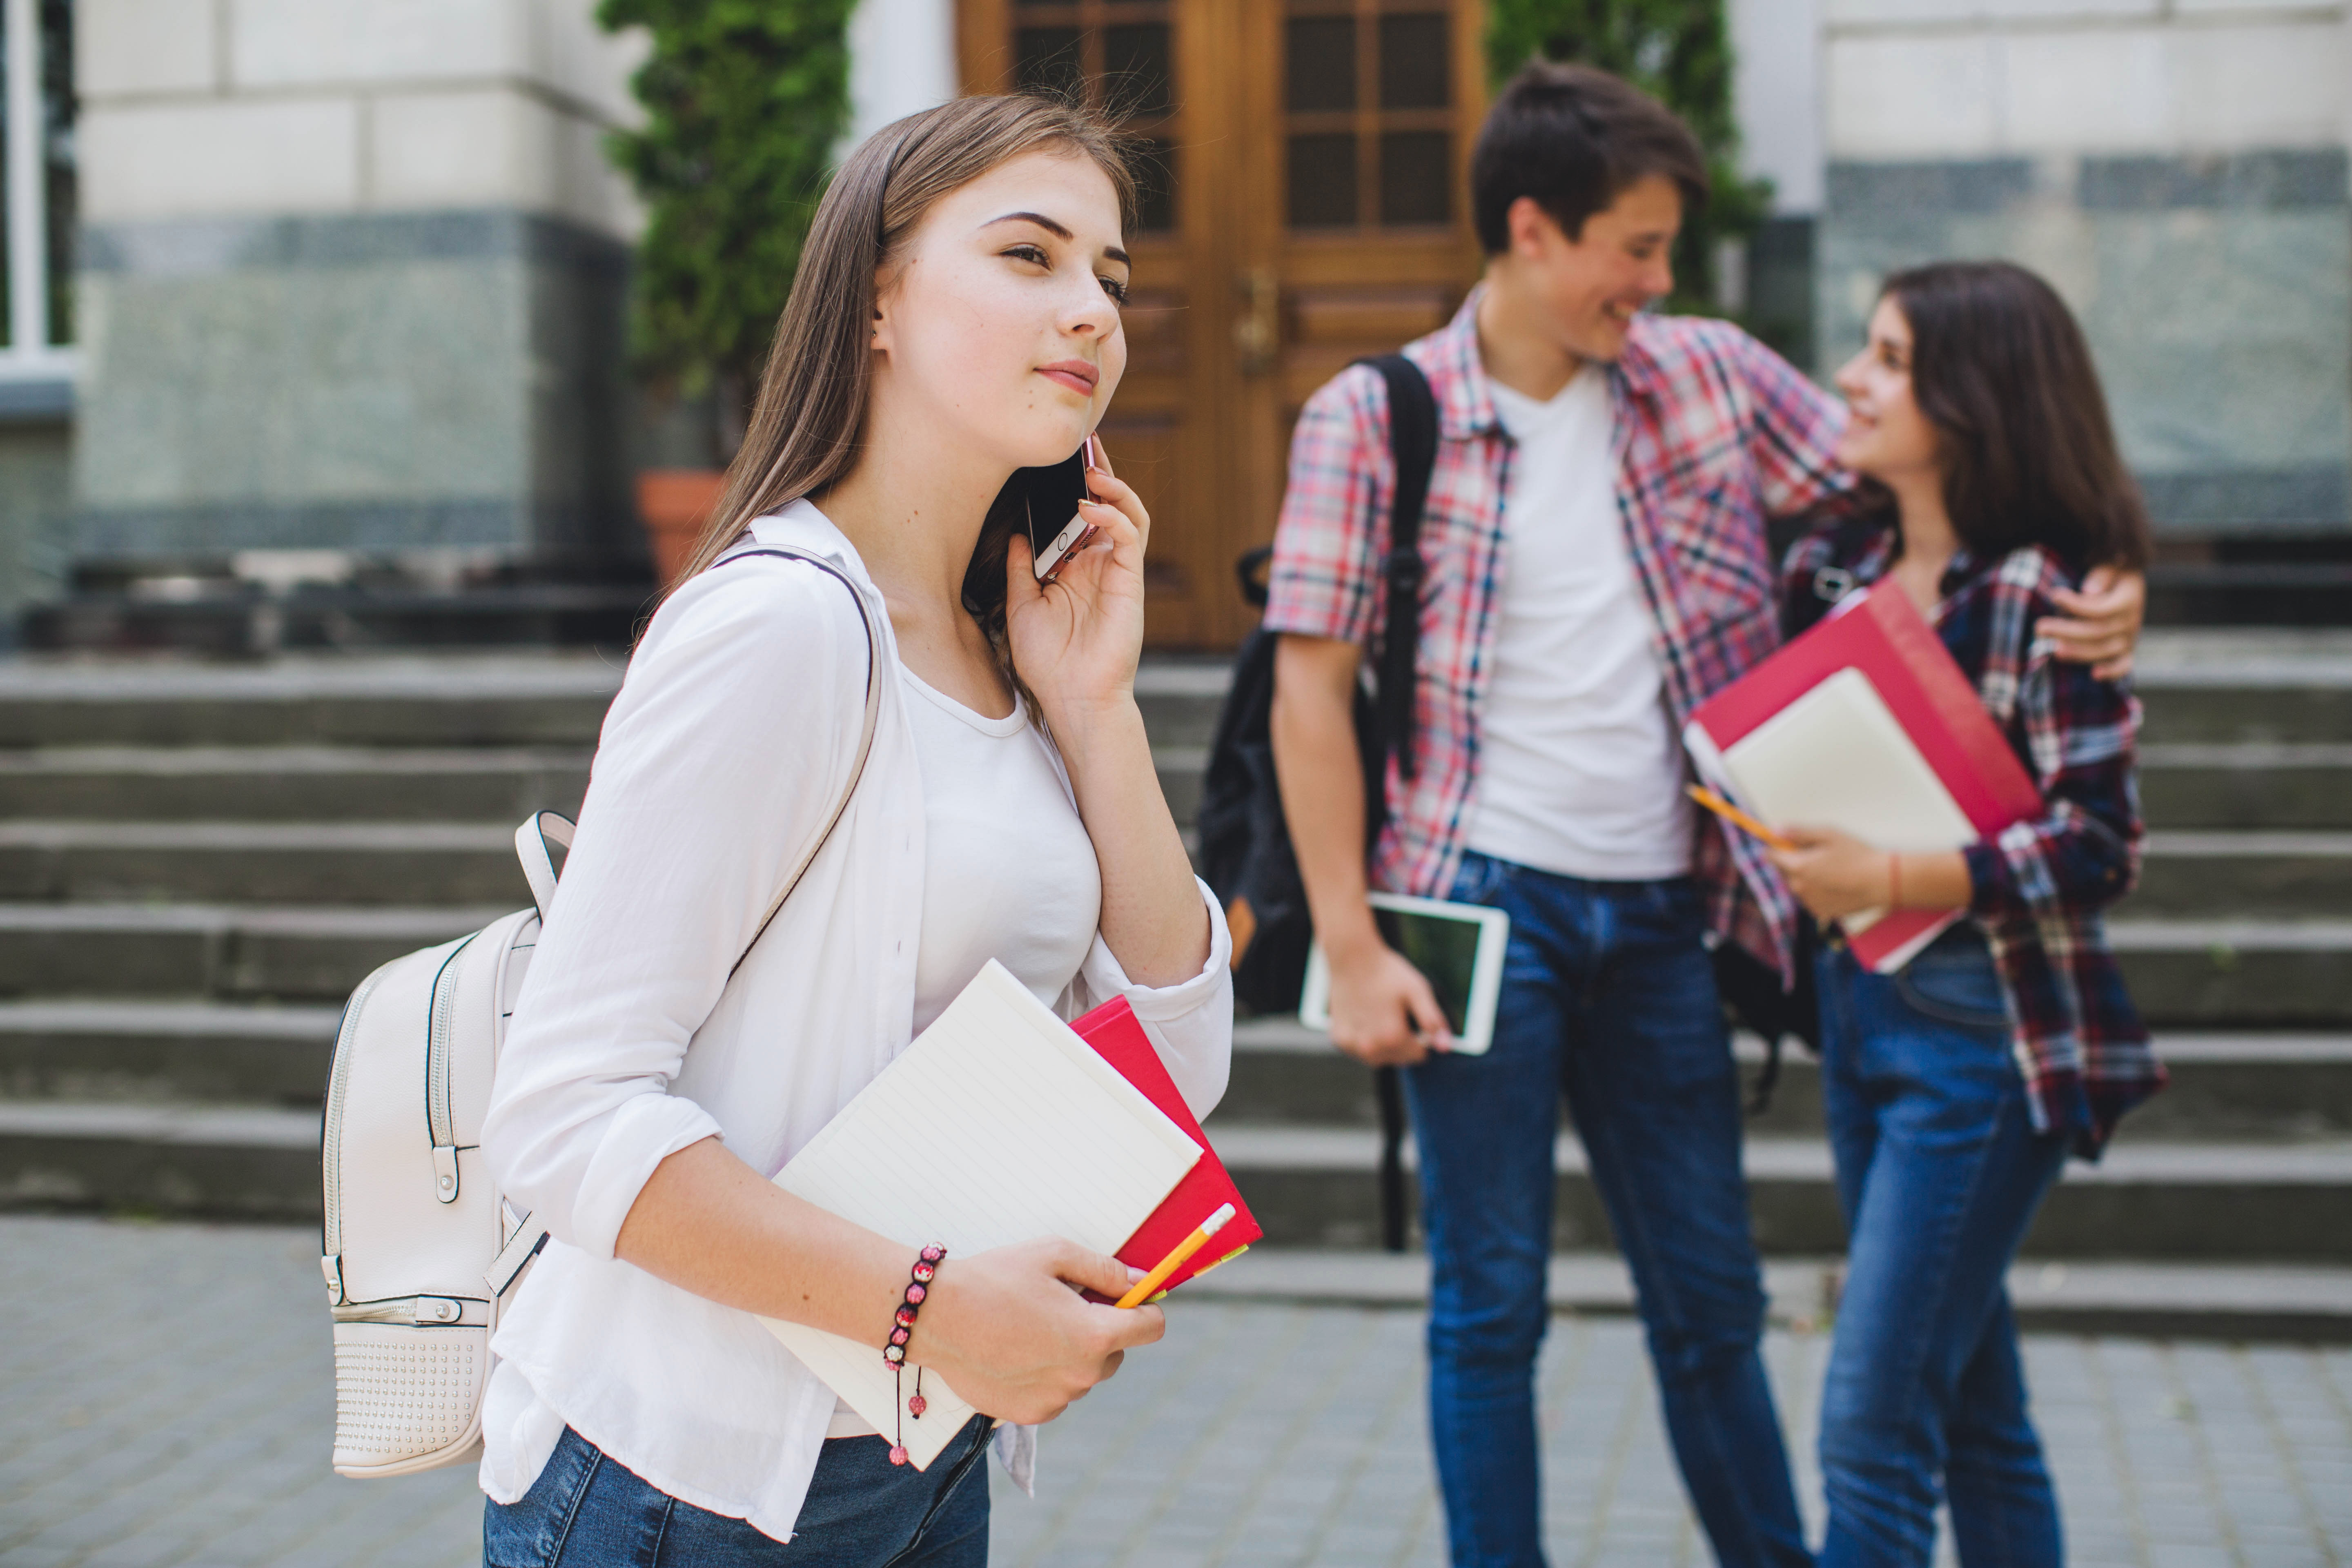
(2004, 374)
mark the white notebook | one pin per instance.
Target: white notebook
(1838, 757)
(999, 1124)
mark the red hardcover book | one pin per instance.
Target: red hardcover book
(1885, 638)
(1117, 1037)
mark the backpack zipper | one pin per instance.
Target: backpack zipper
(441, 1126)
(331, 1137)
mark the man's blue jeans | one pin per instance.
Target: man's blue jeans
(587, 1511)
(1609, 996)
(1940, 1173)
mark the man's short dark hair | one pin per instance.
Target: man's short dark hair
(1574, 138)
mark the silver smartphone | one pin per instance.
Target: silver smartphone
(1053, 494)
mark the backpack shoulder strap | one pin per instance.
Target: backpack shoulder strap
(865, 736)
(1413, 444)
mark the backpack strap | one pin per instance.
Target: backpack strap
(864, 733)
(1413, 444)
(550, 827)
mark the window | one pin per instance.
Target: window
(36, 190)
(1367, 101)
(1114, 53)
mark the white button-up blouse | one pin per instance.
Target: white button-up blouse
(731, 737)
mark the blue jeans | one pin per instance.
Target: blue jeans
(1940, 1171)
(862, 1511)
(1609, 996)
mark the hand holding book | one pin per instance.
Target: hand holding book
(1001, 1132)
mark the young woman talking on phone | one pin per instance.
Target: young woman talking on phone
(1955, 1088)
(955, 317)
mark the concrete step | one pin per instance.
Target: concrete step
(195, 1052)
(2224, 973)
(2242, 874)
(1308, 1186)
(2190, 787)
(414, 863)
(308, 954)
(2229, 1301)
(2200, 687)
(2206, 974)
(288, 784)
(540, 700)
(1180, 695)
(2245, 686)
(1315, 1186)
(226, 1161)
(2255, 786)
(2226, 1087)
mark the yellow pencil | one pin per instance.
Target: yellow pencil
(1732, 814)
(1141, 1292)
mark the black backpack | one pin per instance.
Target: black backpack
(1245, 851)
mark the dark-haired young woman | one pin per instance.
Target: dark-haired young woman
(1956, 1088)
(955, 317)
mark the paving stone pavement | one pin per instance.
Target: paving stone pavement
(165, 1398)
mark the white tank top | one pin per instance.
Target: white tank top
(1008, 870)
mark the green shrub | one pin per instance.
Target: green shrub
(744, 103)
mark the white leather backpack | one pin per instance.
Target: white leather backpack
(421, 1250)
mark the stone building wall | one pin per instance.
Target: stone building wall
(2176, 168)
(352, 277)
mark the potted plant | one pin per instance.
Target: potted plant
(744, 101)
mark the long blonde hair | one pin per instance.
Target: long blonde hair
(809, 422)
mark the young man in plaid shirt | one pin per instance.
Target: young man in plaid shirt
(1595, 567)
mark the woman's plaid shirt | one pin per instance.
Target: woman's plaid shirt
(2037, 889)
(1714, 433)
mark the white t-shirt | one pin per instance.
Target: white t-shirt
(1578, 769)
(1009, 872)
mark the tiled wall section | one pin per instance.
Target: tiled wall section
(2176, 168)
(2217, 293)
(202, 107)
(352, 277)
(1951, 78)
(34, 508)
(375, 384)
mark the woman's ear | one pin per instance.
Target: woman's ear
(879, 337)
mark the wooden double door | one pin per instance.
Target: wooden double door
(1306, 201)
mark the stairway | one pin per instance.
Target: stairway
(198, 862)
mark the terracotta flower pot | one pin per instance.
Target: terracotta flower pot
(674, 504)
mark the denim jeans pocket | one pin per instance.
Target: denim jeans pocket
(529, 1533)
(1959, 989)
(1478, 881)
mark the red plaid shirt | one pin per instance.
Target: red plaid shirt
(1714, 433)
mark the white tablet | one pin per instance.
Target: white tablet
(1458, 947)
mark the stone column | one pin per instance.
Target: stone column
(352, 278)
(2178, 172)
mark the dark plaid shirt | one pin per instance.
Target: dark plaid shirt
(2038, 888)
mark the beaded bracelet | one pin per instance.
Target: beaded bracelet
(902, 1329)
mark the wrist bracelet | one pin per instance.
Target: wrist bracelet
(902, 1329)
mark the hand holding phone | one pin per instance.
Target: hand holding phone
(1054, 493)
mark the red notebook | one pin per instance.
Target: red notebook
(1881, 634)
(1117, 1037)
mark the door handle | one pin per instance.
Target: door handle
(1257, 332)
